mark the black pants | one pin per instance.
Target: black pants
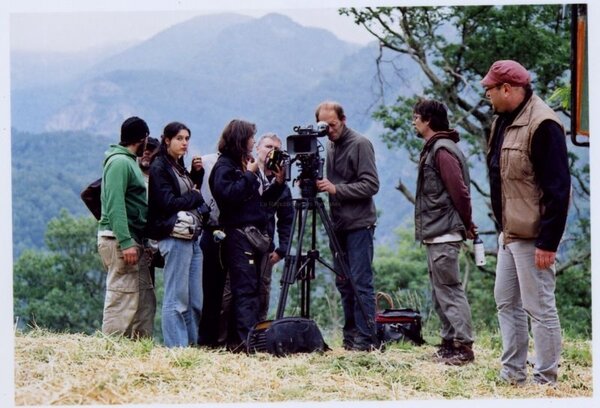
(243, 265)
(213, 281)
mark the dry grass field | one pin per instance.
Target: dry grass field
(68, 369)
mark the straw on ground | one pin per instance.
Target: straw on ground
(65, 369)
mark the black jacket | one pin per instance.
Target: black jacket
(236, 194)
(283, 210)
(165, 198)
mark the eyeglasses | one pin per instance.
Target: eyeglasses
(489, 88)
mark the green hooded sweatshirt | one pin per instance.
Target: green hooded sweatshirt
(123, 197)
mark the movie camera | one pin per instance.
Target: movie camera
(304, 149)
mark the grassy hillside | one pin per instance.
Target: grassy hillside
(60, 369)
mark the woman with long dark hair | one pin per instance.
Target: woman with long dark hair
(174, 221)
(236, 189)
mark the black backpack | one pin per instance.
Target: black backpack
(91, 197)
(91, 194)
(288, 335)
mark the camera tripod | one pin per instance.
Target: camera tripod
(302, 266)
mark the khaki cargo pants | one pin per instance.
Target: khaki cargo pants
(130, 302)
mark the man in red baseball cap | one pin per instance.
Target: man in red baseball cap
(506, 71)
(529, 187)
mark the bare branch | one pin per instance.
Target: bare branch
(479, 189)
(405, 191)
(380, 78)
(582, 182)
(382, 39)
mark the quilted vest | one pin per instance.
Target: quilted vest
(435, 214)
(521, 195)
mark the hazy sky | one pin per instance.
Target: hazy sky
(65, 29)
(62, 25)
(77, 31)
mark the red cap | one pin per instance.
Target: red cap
(506, 71)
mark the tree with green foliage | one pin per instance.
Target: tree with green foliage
(453, 47)
(61, 288)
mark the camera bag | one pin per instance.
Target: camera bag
(259, 241)
(398, 324)
(186, 226)
(288, 335)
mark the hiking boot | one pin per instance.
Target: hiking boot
(369, 346)
(445, 349)
(462, 353)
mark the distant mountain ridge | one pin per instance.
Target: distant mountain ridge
(203, 72)
(167, 49)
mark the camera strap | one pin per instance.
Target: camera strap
(264, 182)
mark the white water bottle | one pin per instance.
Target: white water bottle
(479, 251)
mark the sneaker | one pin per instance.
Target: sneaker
(462, 354)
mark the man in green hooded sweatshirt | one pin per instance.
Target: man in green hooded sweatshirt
(130, 302)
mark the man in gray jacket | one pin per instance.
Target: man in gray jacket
(351, 183)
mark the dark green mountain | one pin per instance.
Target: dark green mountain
(49, 171)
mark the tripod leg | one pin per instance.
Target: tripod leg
(309, 271)
(343, 262)
(287, 275)
(291, 261)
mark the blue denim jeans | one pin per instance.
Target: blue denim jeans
(182, 302)
(358, 247)
(522, 291)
